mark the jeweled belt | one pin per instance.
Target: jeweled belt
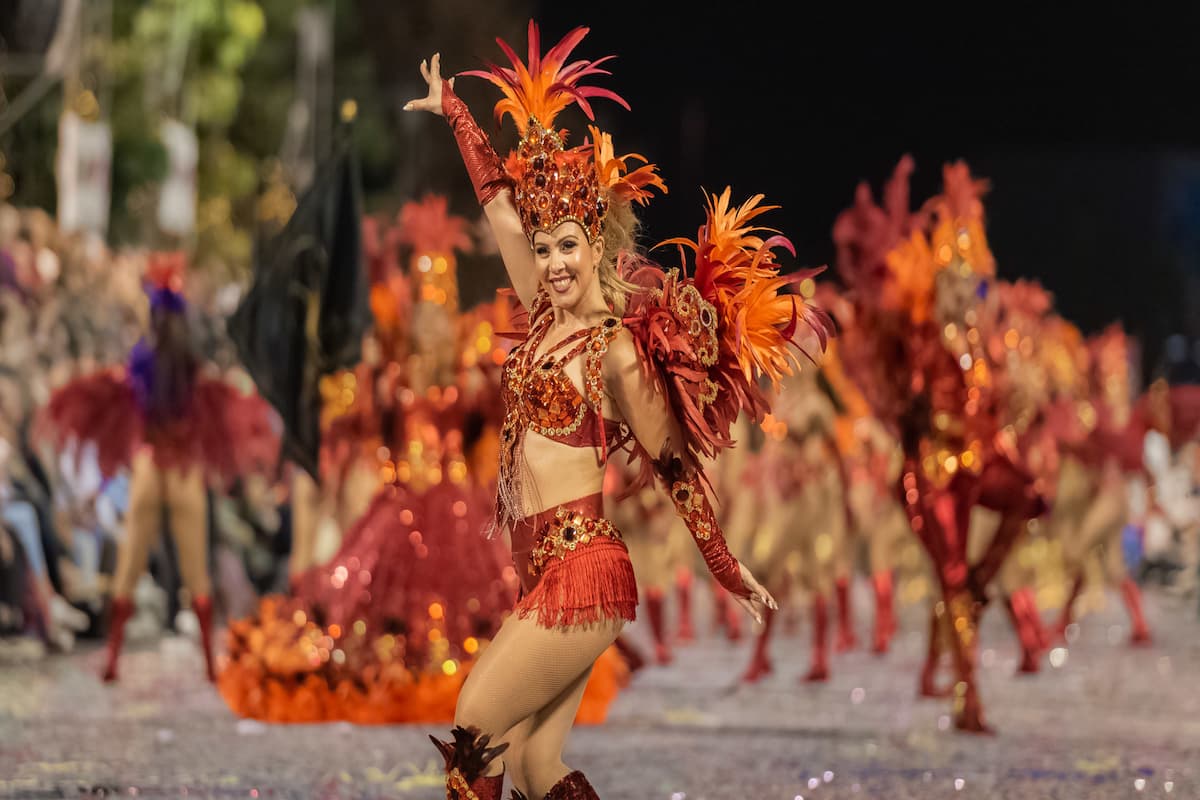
(565, 532)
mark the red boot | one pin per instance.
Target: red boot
(121, 611)
(846, 640)
(572, 787)
(467, 757)
(1133, 601)
(202, 606)
(654, 612)
(683, 589)
(820, 656)
(885, 620)
(1033, 620)
(1024, 621)
(760, 662)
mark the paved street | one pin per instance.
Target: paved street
(1107, 722)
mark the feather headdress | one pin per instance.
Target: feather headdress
(553, 183)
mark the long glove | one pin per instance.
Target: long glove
(483, 165)
(691, 503)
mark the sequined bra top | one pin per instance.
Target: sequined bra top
(539, 396)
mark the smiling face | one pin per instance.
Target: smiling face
(567, 265)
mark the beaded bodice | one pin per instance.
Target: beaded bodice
(539, 396)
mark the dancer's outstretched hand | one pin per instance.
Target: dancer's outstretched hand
(758, 595)
(431, 71)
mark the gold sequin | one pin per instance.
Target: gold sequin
(539, 396)
(568, 531)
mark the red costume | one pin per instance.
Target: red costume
(161, 402)
(689, 352)
(917, 351)
(194, 421)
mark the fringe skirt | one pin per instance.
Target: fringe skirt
(573, 566)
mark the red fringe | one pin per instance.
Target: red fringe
(228, 432)
(99, 408)
(235, 432)
(592, 584)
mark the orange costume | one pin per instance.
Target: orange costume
(917, 352)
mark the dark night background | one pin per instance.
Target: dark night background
(1084, 117)
(1086, 120)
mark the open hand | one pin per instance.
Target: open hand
(431, 71)
(759, 597)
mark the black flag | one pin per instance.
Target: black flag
(308, 307)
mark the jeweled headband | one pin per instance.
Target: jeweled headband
(552, 183)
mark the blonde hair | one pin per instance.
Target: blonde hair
(620, 232)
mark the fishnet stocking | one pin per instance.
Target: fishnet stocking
(525, 690)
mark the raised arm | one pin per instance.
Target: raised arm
(492, 186)
(646, 412)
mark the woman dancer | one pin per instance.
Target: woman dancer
(657, 364)
(1106, 448)
(917, 351)
(806, 526)
(174, 428)
(872, 460)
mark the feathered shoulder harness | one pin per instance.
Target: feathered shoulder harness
(711, 337)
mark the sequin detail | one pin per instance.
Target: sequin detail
(539, 396)
(692, 505)
(457, 786)
(568, 531)
(555, 184)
